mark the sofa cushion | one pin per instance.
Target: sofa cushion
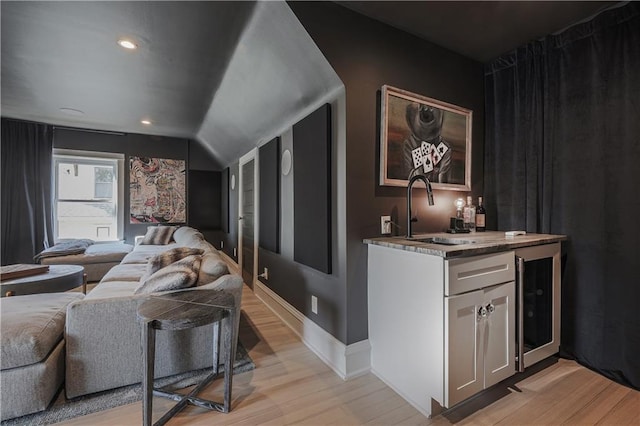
(138, 257)
(186, 233)
(158, 235)
(180, 274)
(112, 289)
(153, 248)
(31, 326)
(211, 268)
(128, 272)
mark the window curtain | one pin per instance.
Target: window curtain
(27, 217)
(562, 155)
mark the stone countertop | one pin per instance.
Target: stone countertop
(483, 243)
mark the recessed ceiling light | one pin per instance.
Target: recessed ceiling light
(72, 111)
(146, 122)
(127, 44)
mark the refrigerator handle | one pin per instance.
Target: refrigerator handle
(520, 314)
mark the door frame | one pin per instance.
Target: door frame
(251, 155)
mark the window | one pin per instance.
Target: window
(87, 190)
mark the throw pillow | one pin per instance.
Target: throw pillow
(158, 235)
(178, 275)
(168, 257)
(211, 268)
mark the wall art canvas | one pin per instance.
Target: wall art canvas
(157, 188)
(421, 135)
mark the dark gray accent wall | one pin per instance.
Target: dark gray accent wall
(130, 144)
(367, 54)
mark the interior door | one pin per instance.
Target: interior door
(247, 253)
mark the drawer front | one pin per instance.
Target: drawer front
(473, 273)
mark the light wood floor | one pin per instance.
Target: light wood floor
(291, 386)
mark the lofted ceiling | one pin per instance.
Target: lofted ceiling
(229, 74)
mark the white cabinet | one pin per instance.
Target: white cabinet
(479, 322)
(479, 341)
(427, 341)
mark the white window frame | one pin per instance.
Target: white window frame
(75, 155)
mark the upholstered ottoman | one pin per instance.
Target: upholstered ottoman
(32, 362)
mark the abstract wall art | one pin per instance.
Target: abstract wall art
(157, 190)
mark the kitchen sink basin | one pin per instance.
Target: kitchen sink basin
(443, 241)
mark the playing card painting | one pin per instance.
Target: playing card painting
(420, 135)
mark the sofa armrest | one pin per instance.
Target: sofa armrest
(102, 345)
(104, 351)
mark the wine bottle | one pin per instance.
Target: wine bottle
(469, 213)
(480, 217)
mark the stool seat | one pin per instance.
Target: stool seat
(184, 310)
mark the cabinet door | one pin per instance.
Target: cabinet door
(499, 334)
(463, 359)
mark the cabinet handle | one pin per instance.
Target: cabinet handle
(490, 308)
(482, 312)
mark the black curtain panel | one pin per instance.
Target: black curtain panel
(27, 218)
(563, 156)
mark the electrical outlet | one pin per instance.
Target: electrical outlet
(385, 225)
(314, 304)
(221, 244)
(235, 252)
(265, 274)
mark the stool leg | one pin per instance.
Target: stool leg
(230, 354)
(84, 283)
(148, 356)
(216, 347)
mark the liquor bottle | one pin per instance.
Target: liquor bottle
(469, 213)
(480, 217)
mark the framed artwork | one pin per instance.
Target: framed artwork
(157, 190)
(421, 135)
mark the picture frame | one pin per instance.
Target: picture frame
(422, 135)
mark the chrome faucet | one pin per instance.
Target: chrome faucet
(429, 198)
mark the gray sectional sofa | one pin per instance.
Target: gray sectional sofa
(102, 334)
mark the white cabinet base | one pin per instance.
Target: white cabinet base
(405, 297)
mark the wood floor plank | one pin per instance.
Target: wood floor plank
(292, 386)
(596, 409)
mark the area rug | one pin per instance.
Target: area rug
(63, 409)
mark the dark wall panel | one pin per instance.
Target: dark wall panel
(312, 190)
(231, 236)
(205, 196)
(269, 238)
(224, 200)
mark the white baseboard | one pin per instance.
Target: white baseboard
(347, 361)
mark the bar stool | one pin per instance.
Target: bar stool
(181, 311)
